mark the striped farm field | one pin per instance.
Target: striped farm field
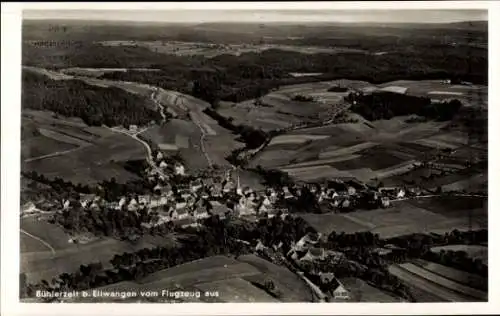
(237, 290)
(465, 278)
(444, 282)
(395, 170)
(347, 150)
(295, 139)
(413, 280)
(328, 222)
(320, 162)
(436, 143)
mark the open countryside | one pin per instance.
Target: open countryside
(254, 162)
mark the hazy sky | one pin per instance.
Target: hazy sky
(196, 16)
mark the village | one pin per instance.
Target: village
(186, 203)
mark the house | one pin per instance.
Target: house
(133, 128)
(133, 205)
(228, 186)
(143, 199)
(340, 292)
(401, 194)
(247, 190)
(346, 203)
(159, 156)
(287, 193)
(260, 246)
(29, 208)
(179, 169)
(385, 202)
(351, 190)
(173, 214)
(180, 205)
(157, 188)
(314, 254)
(262, 208)
(200, 213)
(122, 202)
(266, 202)
(163, 164)
(182, 214)
(66, 204)
(156, 202)
(326, 277)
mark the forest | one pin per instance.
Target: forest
(385, 105)
(251, 75)
(94, 105)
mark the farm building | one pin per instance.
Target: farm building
(314, 254)
(394, 89)
(340, 292)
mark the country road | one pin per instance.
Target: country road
(149, 152)
(54, 154)
(40, 240)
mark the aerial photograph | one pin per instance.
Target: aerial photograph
(238, 156)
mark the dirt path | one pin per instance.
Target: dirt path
(149, 152)
(40, 240)
(55, 154)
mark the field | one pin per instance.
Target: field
(382, 149)
(326, 223)
(277, 110)
(97, 72)
(93, 163)
(41, 263)
(360, 291)
(293, 288)
(422, 284)
(473, 251)
(231, 278)
(364, 150)
(210, 50)
(433, 280)
(50, 233)
(68, 148)
(404, 217)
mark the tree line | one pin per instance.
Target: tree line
(385, 105)
(94, 105)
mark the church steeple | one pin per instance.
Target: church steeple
(238, 188)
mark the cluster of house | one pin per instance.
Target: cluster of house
(344, 194)
(306, 249)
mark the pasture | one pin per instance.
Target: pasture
(292, 287)
(68, 148)
(232, 278)
(364, 150)
(44, 265)
(427, 286)
(462, 277)
(237, 290)
(360, 291)
(456, 207)
(50, 233)
(329, 222)
(92, 163)
(402, 218)
(468, 292)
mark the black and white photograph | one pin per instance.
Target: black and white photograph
(253, 156)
